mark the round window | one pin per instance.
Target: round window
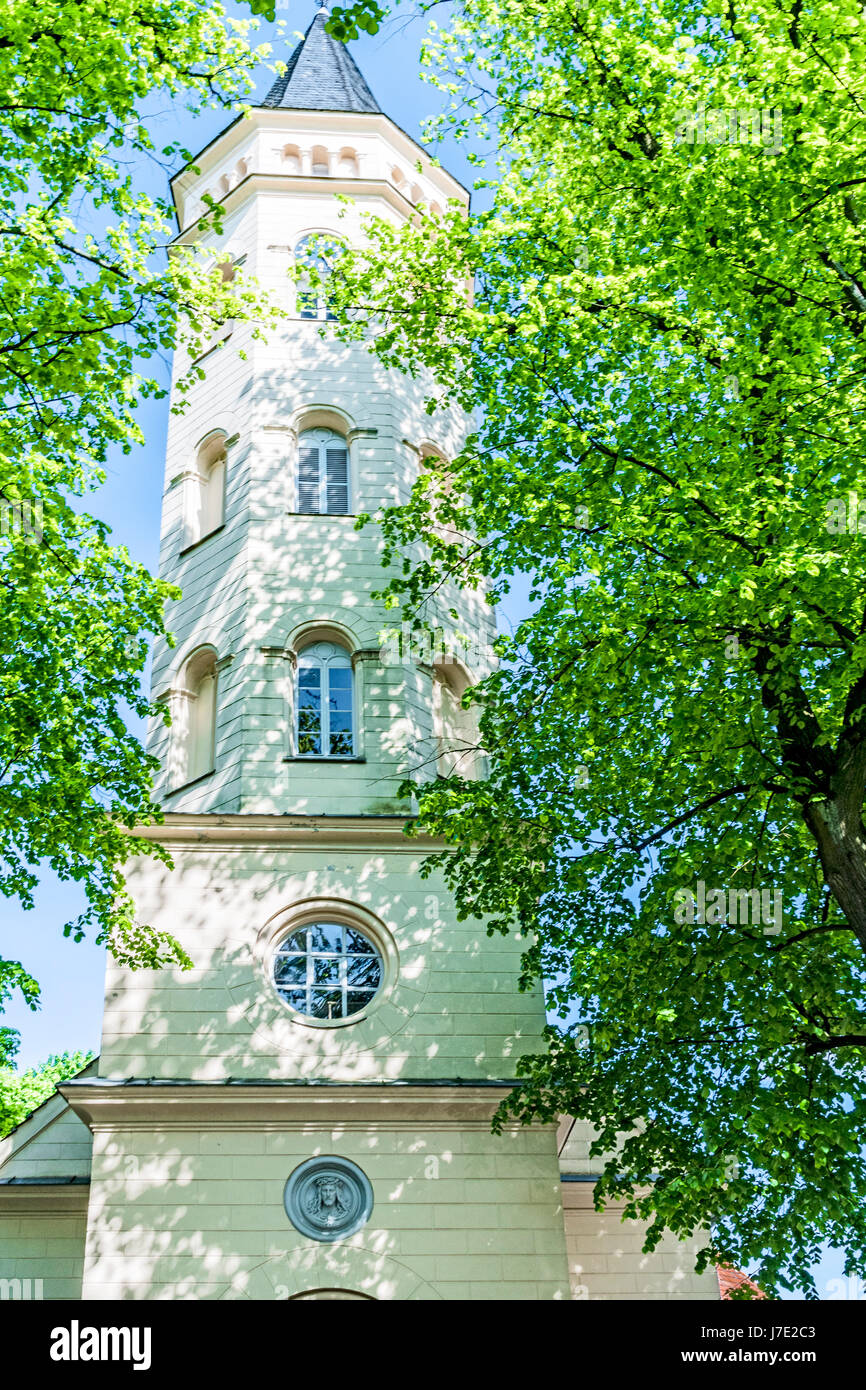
(327, 970)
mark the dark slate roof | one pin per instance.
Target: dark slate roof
(275, 1083)
(45, 1182)
(321, 76)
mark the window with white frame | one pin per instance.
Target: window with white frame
(194, 718)
(455, 727)
(325, 702)
(327, 970)
(439, 481)
(207, 492)
(323, 472)
(314, 256)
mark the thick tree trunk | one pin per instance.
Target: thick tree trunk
(838, 830)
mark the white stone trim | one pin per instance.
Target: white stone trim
(347, 913)
(106, 1107)
(236, 832)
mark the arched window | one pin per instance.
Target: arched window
(323, 473)
(321, 161)
(292, 159)
(194, 717)
(324, 726)
(441, 485)
(224, 272)
(455, 728)
(332, 1293)
(315, 253)
(348, 162)
(208, 485)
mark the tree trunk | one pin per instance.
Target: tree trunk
(842, 848)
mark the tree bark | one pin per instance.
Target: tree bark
(838, 830)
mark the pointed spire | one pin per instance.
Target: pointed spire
(321, 76)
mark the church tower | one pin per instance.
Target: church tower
(307, 1111)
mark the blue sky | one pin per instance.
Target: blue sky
(70, 973)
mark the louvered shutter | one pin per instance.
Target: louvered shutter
(308, 480)
(337, 462)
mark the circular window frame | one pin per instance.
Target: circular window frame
(323, 1163)
(346, 914)
(343, 945)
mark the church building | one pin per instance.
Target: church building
(306, 1113)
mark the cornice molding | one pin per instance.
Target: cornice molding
(310, 832)
(182, 1105)
(290, 122)
(47, 1198)
(373, 655)
(297, 183)
(29, 1129)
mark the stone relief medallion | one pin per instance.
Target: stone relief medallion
(328, 1198)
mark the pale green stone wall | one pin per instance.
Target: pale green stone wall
(606, 1259)
(42, 1229)
(203, 1216)
(455, 1010)
(269, 570)
(42, 1245)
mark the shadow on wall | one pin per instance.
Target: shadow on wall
(448, 1005)
(275, 564)
(198, 1209)
(200, 1214)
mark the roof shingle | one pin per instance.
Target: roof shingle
(731, 1279)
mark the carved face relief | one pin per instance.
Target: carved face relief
(328, 1198)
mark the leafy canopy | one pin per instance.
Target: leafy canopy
(23, 1092)
(665, 351)
(88, 296)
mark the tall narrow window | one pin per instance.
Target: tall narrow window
(194, 717)
(314, 256)
(325, 702)
(207, 501)
(323, 472)
(455, 728)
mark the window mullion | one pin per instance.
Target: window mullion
(320, 981)
(310, 972)
(323, 478)
(344, 973)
